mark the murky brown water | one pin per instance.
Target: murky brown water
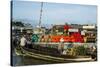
(26, 60)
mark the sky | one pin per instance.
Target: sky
(54, 13)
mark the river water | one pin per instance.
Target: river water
(26, 60)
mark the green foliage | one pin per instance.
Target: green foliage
(81, 50)
(76, 51)
(17, 23)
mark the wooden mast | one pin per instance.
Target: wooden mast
(40, 14)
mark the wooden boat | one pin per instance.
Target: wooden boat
(49, 56)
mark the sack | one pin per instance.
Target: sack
(64, 52)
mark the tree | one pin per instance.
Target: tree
(17, 23)
(27, 25)
(66, 23)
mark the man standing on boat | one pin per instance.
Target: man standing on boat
(61, 45)
(23, 41)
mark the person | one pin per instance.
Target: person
(29, 42)
(94, 53)
(60, 46)
(15, 41)
(23, 41)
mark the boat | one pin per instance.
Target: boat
(51, 57)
